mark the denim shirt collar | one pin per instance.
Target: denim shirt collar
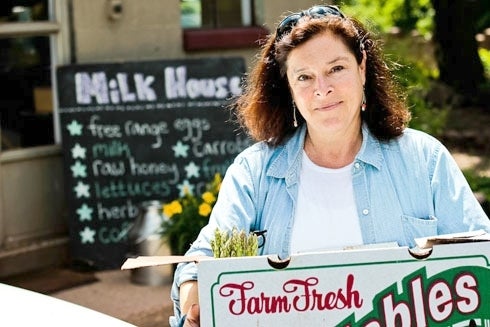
(370, 152)
(287, 162)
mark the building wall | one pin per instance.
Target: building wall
(33, 232)
(150, 30)
(147, 29)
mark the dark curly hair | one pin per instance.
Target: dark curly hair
(265, 107)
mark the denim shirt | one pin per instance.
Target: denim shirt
(405, 188)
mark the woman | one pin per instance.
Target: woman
(334, 165)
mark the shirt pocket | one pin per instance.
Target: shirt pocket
(414, 227)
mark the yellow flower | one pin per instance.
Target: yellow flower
(189, 213)
(186, 190)
(172, 208)
(204, 209)
(217, 181)
(208, 197)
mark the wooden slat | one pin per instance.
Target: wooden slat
(28, 29)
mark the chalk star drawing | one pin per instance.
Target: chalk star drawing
(82, 189)
(79, 170)
(87, 235)
(85, 212)
(78, 152)
(75, 128)
(180, 149)
(185, 188)
(192, 170)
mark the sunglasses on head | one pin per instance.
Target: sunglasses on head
(287, 24)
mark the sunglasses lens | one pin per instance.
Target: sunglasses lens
(320, 11)
(287, 23)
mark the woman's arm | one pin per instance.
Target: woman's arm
(188, 295)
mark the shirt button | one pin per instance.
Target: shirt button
(365, 212)
(357, 165)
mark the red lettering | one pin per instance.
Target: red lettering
(328, 301)
(254, 305)
(300, 296)
(301, 302)
(353, 297)
(278, 304)
(339, 300)
(236, 306)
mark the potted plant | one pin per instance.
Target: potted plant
(185, 216)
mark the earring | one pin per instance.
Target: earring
(295, 121)
(363, 104)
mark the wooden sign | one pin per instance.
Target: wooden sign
(140, 131)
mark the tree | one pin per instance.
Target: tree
(456, 48)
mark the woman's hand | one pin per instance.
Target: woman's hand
(189, 298)
(193, 317)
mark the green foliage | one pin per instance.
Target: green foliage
(478, 183)
(414, 70)
(485, 59)
(406, 15)
(425, 18)
(187, 215)
(425, 116)
(415, 15)
(410, 55)
(408, 49)
(384, 15)
(483, 20)
(190, 7)
(415, 78)
(234, 244)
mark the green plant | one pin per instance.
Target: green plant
(485, 59)
(187, 215)
(190, 7)
(415, 77)
(478, 182)
(410, 56)
(234, 244)
(384, 15)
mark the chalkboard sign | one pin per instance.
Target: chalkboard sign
(140, 131)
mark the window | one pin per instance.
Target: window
(25, 73)
(216, 13)
(219, 24)
(190, 13)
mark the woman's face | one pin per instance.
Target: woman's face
(327, 84)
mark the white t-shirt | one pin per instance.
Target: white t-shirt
(326, 214)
